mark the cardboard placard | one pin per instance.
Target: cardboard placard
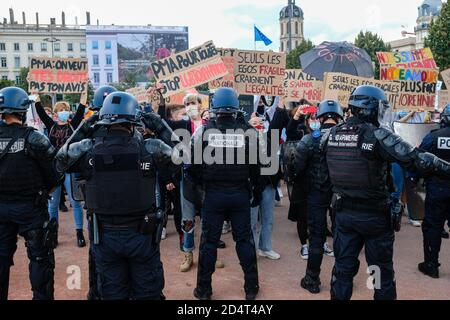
(444, 99)
(259, 73)
(446, 76)
(395, 73)
(140, 94)
(228, 57)
(57, 75)
(419, 59)
(189, 69)
(339, 86)
(174, 100)
(402, 95)
(300, 85)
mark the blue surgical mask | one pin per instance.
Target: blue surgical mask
(315, 125)
(64, 116)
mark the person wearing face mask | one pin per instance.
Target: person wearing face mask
(310, 166)
(59, 131)
(190, 121)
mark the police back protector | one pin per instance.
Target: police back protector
(441, 148)
(356, 171)
(123, 179)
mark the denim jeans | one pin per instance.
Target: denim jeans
(398, 175)
(53, 204)
(265, 212)
(187, 215)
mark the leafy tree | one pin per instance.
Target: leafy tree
(438, 39)
(372, 43)
(6, 83)
(293, 58)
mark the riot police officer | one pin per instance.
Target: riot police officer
(227, 187)
(27, 176)
(120, 173)
(437, 203)
(310, 163)
(358, 153)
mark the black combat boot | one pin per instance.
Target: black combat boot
(430, 269)
(202, 295)
(251, 294)
(311, 284)
(81, 242)
(221, 245)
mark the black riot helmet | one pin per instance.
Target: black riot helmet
(100, 96)
(445, 116)
(369, 104)
(14, 100)
(120, 107)
(330, 109)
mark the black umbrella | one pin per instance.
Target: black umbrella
(337, 57)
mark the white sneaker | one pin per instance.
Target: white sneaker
(415, 223)
(226, 228)
(164, 234)
(272, 255)
(327, 250)
(304, 252)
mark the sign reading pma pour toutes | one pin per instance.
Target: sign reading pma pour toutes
(57, 75)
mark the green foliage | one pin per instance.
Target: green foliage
(293, 58)
(6, 83)
(438, 39)
(23, 78)
(372, 43)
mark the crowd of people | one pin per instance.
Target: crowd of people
(328, 156)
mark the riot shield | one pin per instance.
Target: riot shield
(78, 186)
(414, 133)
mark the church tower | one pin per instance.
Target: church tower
(291, 27)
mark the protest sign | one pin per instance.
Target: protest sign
(140, 94)
(446, 77)
(415, 59)
(228, 57)
(189, 69)
(57, 75)
(444, 99)
(259, 73)
(394, 73)
(300, 85)
(402, 95)
(339, 86)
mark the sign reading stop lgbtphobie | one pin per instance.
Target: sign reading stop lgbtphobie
(57, 75)
(189, 69)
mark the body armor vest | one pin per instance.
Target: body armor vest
(123, 179)
(20, 175)
(441, 149)
(356, 171)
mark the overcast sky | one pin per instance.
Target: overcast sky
(230, 22)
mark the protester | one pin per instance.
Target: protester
(273, 119)
(59, 131)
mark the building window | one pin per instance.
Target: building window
(109, 77)
(95, 45)
(96, 77)
(57, 47)
(282, 29)
(2, 46)
(108, 59)
(282, 46)
(4, 77)
(70, 47)
(83, 47)
(3, 63)
(17, 62)
(95, 59)
(16, 46)
(44, 47)
(107, 44)
(30, 47)
(296, 27)
(18, 80)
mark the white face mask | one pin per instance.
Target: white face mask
(192, 111)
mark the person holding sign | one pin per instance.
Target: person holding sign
(59, 131)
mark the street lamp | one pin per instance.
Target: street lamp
(52, 40)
